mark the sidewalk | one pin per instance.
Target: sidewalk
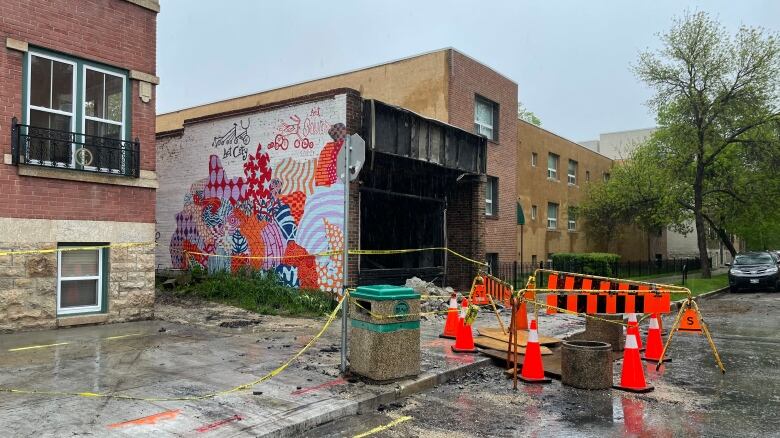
(154, 359)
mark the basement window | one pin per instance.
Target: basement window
(80, 279)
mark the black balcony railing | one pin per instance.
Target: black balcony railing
(45, 147)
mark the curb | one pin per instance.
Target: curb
(705, 296)
(369, 402)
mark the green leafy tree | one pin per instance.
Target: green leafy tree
(527, 116)
(715, 97)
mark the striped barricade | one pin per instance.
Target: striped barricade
(581, 293)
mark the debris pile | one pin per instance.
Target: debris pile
(434, 297)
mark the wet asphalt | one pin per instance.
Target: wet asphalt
(691, 396)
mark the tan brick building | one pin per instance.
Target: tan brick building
(553, 176)
(446, 86)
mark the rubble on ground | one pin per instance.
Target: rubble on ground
(434, 298)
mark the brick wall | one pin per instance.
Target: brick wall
(466, 230)
(354, 121)
(114, 32)
(467, 79)
(285, 154)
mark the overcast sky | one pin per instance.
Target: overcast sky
(570, 58)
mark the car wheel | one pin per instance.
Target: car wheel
(733, 289)
(777, 286)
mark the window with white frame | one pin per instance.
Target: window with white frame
(533, 212)
(552, 215)
(79, 280)
(86, 102)
(486, 118)
(572, 173)
(552, 166)
(491, 196)
(50, 93)
(103, 115)
(572, 225)
(534, 159)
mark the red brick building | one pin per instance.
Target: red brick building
(77, 124)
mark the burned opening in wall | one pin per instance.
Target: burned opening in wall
(402, 206)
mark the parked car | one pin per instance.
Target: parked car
(754, 270)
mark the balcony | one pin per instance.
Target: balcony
(34, 146)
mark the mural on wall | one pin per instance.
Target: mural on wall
(280, 215)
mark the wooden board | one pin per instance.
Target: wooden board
(522, 336)
(495, 344)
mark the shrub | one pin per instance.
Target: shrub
(260, 292)
(592, 263)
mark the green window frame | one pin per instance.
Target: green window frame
(79, 118)
(104, 269)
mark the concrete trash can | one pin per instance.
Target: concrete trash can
(586, 364)
(384, 347)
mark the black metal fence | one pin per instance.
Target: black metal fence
(517, 273)
(71, 150)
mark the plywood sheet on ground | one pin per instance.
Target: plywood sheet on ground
(552, 363)
(522, 336)
(495, 344)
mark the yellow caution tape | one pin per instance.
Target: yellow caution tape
(238, 388)
(75, 248)
(384, 427)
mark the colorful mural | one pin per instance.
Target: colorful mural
(279, 216)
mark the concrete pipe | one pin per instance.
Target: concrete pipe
(586, 364)
(600, 329)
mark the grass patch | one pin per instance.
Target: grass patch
(258, 292)
(701, 285)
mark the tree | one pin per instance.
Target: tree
(527, 116)
(715, 96)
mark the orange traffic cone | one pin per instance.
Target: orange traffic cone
(655, 345)
(464, 340)
(451, 326)
(632, 377)
(521, 318)
(533, 370)
(633, 328)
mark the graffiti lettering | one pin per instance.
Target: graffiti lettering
(234, 141)
(313, 125)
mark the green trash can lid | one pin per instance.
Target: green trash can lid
(383, 292)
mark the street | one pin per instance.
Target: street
(691, 397)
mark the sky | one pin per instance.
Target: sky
(571, 59)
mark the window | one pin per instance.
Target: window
(606, 176)
(492, 261)
(572, 175)
(534, 261)
(52, 84)
(103, 116)
(87, 106)
(552, 216)
(533, 212)
(491, 196)
(80, 281)
(572, 226)
(486, 118)
(552, 166)
(587, 176)
(534, 159)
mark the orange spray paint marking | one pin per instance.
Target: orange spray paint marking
(151, 419)
(216, 424)
(339, 381)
